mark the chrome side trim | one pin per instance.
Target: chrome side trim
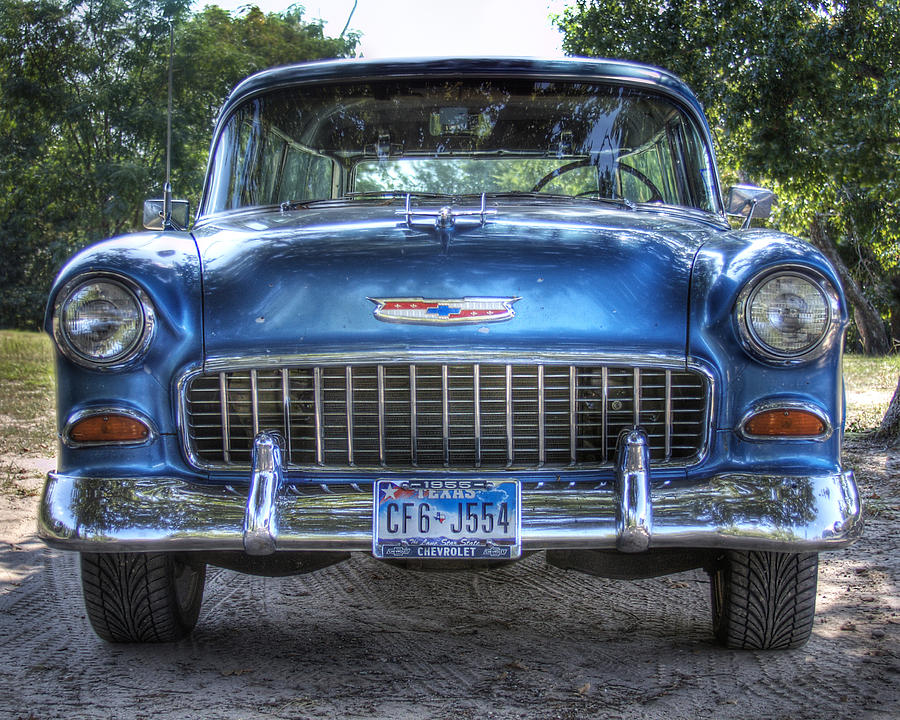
(77, 417)
(634, 518)
(797, 513)
(776, 404)
(260, 528)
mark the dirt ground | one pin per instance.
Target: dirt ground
(366, 640)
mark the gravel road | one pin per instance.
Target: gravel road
(367, 640)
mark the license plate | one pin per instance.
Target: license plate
(451, 519)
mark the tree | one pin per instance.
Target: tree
(83, 117)
(802, 94)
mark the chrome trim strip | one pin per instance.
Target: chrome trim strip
(348, 406)
(476, 421)
(510, 450)
(734, 510)
(604, 412)
(438, 357)
(636, 399)
(254, 401)
(573, 415)
(413, 418)
(542, 450)
(778, 404)
(286, 409)
(669, 429)
(381, 434)
(226, 430)
(88, 412)
(445, 415)
(260, 529)
(318, 409)
(634, 519)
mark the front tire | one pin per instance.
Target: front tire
(141, 597)
(763, 600)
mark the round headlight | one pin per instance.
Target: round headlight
(786, 315)
(102, 321)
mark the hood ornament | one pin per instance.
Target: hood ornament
(444, 311)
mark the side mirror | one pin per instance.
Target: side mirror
(153, 214)
(748, 202)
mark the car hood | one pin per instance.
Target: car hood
(586, 278)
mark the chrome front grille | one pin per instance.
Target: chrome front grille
(434, 416)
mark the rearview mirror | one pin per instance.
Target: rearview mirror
(749, 201)
(153, 214)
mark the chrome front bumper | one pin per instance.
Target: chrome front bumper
(736, 511)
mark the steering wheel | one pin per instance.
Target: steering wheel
(655, 194)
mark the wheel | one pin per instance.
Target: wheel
(141, 597)
(763, 600)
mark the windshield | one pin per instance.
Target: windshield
(455, 137)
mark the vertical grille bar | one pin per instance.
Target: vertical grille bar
(320, 427)
(510, 454)
(254, 401)
(381, 460)
(637, 397)
(445, 415)
(226, 433)
(668, 428)
(573, 414)
(476, 396)
(542, 449)
(286, 409)
(413, 419)
(348, 389)
(604, 412)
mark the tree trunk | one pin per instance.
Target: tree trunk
(890, 425)
(868, 321)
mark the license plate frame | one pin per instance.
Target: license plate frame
(482, 519)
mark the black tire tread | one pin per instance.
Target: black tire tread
(769, 599)
(130, 597)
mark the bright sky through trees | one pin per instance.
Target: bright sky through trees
(394, 28)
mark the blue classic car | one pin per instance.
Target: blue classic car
(450, 313)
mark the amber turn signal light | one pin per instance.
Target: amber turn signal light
(108, 428)
(785, 422)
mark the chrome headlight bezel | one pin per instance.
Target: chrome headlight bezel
(756, 346)
(135, 348)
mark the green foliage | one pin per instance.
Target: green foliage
(803, 95)
(83, 88)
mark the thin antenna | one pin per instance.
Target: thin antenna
(349, 18)
(167, 188)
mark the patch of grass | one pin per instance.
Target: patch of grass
(870, 383)
(27, 418)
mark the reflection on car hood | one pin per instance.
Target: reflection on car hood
(587, 278)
